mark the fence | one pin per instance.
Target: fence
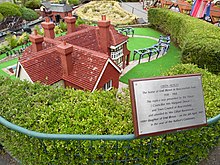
(108, 149)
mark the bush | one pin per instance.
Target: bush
(23, 39)
(56, 110)
(28, 14)
(8, 9)
(40, 31)
(63, 26)
(197, 39)
(1, 17)
(12, 40)
(33, 4)
(73, 2)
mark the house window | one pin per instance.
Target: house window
(117, 52)
(107, 86)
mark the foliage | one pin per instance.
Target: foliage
(28, 14)
(12, 40)
(23, 39)
(33, 4)
(63, 26)
(4, 48)
(9, 9)
(40, 31)
(57, 110)
(73, 2)
(198, 39)
(80, 21)
(1, 17)
(57, 30)
(93, 10)
(210, 82)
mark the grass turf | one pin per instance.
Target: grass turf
(6, 64)
(138, 43)
(147, 32)
(154, 68)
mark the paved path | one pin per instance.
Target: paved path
(132, 64)
(135, 8)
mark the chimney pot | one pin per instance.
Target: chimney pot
(47, 19)
(66, 57)
(104, 34)
(70, 21)
(103, 17)
(35, 32)
(48, 28)
(37, 41)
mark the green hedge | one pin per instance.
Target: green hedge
(56, 110)
(28, 14)
(33, 4)
(1, 17)
(198, 39)
(9, 9)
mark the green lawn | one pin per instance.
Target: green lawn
(6, 64)
(147, 32)
(138, 43)
(154, 68)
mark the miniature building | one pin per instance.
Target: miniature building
(55, 11)
(86, 58)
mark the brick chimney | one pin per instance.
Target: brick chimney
(70, 21)
(66, 57)
(48, 28)
(104, 34)
(37, 41)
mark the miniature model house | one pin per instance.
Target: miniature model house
(86, 58)
(55, 11)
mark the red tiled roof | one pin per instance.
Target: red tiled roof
(87, 66)
(86, 38)
(46, 67)
(116, 38)
(88, 58)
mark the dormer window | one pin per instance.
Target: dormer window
(116, 54)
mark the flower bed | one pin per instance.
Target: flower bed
(93, 11)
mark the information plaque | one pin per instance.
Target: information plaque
(166, 104)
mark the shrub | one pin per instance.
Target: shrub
(210, 82)
(40, 31)
(80, 21)
(33, 4)
(24, 38)
(73, 2)
(1, 17)
(56, 110)
(11, 5)
(28, 14)
(63, 26)
(197, 39)
(8, 9)
(12, 40)
(57, 30)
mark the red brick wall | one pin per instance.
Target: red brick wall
(62, 15)
(110, 73)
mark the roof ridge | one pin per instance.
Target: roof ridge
(75, 33)
(93, 52)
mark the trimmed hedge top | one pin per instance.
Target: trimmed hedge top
(57, 110)
(198, 39)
